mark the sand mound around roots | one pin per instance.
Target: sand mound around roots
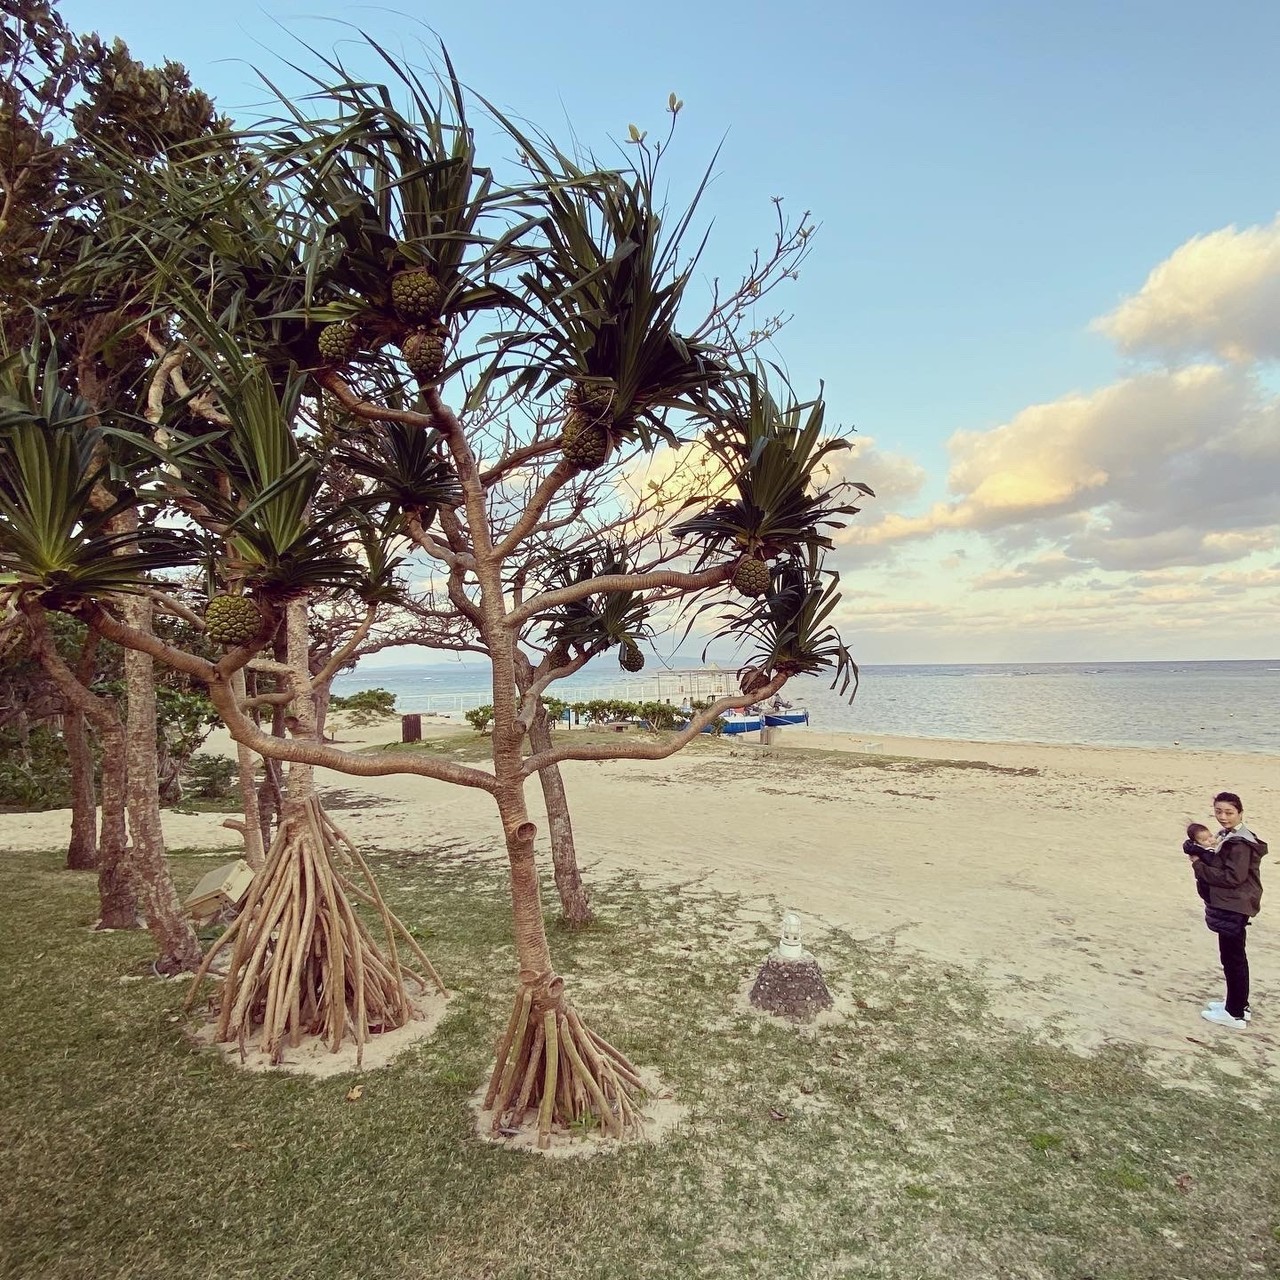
(313, 1056)
(659, 1116)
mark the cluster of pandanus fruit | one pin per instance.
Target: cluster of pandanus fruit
(416, 297)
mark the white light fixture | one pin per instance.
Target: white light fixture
(789, 947)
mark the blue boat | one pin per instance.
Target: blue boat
(732, 723)
(776, 719)
(752, 721)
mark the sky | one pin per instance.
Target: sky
(1044, 295)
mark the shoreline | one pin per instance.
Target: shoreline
(864, 739)
(950, 748)
(1052, 874)
(867, 736)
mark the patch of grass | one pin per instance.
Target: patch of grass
(1127, 1178)
(467, 748)
(849, 761)
(913, 1143)
(1043, 1142)
(477, 748)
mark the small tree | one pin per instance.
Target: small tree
(72, 107)
(396, 242)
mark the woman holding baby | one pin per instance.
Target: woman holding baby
(1226, 866)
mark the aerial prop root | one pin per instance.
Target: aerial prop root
(303, 962)
(550, 1062)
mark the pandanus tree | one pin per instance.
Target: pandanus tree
(499, 352)
(302, 960)
(71, 107)
(64, 545)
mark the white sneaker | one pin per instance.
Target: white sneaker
(1222, 1004)
(1223, 1018)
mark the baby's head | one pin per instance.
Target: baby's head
(1201, 834)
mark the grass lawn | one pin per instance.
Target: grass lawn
(920, 1138)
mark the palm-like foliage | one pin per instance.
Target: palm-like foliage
(598, 622)
(790, 629)
(404, 469)
(776, 455)
(379, 580)
(208, 223)
(255, 480)
(384, 190)
(607, 286)
(60, 533)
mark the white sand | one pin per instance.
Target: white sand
(314, 1058)
(1065, 889)
(658, 1117)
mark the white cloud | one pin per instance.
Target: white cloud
(1053, 567)
(1165, 467)
(1126, 521)
(1218, 293)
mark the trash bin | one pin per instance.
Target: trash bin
(411, 728)
(220, 889)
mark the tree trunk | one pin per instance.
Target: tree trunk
(271, 791)
(254, 849)
(575, 907)
(549, 1065)
(301, 721)
(168, 776)
(322, 699)
(303, 961)
(82, 852)
(118, 907)
(174, 937)
(532, 950)
(117, 894)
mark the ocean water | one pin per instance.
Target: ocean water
(1212, 706)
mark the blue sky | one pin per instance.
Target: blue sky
(990, 179)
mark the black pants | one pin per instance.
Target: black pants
(1235, 969)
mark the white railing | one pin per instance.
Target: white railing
(666, 686)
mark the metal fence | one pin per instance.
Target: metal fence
(674, 687)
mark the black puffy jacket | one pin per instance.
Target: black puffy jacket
(1232, 874)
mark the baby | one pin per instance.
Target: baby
(1200, 842)
(1200, 836)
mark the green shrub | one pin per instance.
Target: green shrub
(603, 710)
(212, 777)
(368, 704)
(658, 715)
(479, 718)
(34, 775)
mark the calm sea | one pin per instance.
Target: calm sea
(1226, 706)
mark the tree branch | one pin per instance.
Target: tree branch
(618, 582)
(331, 668)
(433, 548)
(167, 604)
(296, 751)
(516, 459)
(532, 513)
(366, 409)
(542, 679)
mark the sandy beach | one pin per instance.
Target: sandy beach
(1053, 873)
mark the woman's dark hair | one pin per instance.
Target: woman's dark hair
(1194, 830)
(1229, 797)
